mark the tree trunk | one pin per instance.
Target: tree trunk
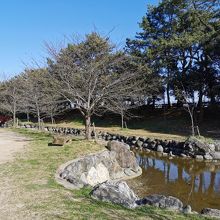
(28, 116)
(122, 119)
(14, 119)
(212, 98)
(153, 103)
(52, 119)
(87, 126)
(192, 123)
(200, 107)
(14, 115)
(38, 119)
(168, 95)
(200, 100)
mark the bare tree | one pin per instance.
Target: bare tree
(10, 95)
(122, 106)
(91, 73)
(53, 106)
(189, 105)
(33, 92)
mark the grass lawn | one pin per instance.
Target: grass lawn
(38, 196)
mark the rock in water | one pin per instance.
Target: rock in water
(115, 192)
(211, 212)
(161, 201)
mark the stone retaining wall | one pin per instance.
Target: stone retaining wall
(192, 148)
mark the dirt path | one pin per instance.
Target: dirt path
(10, 143)
(10, 208)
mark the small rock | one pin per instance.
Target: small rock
(145, 145)
(187, 209)
(159, 148)
(60, 140)
(183, 155)
(199, 157)
(208, 157)
(171, 154)
(211, 147)
(139, 143)
(211, 212)
(215, 155)
(217, 146)
(162, 201)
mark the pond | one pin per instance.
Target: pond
(196, 183)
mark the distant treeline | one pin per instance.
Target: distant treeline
(176, 53)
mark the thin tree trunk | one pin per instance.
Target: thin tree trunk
(192, 121)
(14, 115)
(212, 98)
(28, 116)
(200, 100)
(38, 119)
(200, 107)
(168, 95)
(87, 126)
(14, 119)
(52, 119)
(122, 119)
(153, 103)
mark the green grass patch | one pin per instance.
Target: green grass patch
(32, 175)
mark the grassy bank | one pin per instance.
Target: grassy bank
(37, 196)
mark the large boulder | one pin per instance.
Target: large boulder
(211, 212)
(115, 192)
(124, 156)
(161, 201)
(114, 164)
(198, 146)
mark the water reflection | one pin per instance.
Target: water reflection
(195, 183)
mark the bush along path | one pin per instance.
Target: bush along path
(32, 192)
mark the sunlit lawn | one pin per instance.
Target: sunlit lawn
(33, 176)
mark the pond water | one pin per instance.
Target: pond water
(193, 182)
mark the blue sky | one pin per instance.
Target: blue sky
(26, 24)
